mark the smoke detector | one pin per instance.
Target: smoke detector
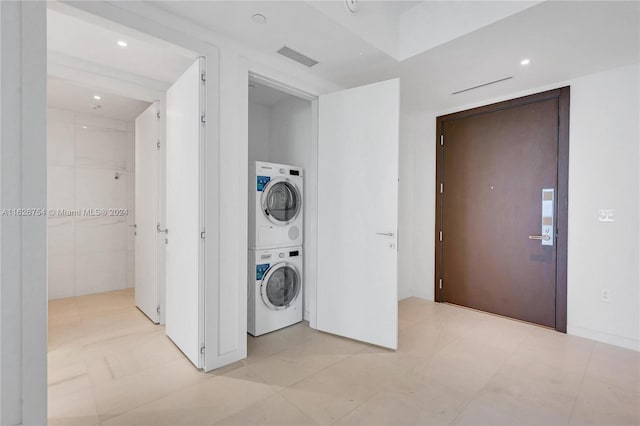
(352, 5)
(259, 18)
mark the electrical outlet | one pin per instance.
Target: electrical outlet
(605, 295)
(607, 215)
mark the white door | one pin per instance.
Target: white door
(147, 187)
(357, 294)
(184, 249)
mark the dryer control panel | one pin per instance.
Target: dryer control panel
(261, 270)
(262, 182)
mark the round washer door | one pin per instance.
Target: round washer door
(280, 286)
(281, 201)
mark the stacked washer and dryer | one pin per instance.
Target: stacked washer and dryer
(275, 247)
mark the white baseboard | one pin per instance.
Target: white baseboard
(600, 336)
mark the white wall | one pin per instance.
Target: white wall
(85, 154)
(290, 132)
(603, 173)
(258, 132)
(418, 130)
(405, 208)
(23, 263)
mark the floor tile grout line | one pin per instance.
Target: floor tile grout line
(153, 400)
(472, 398)
(584, 375)
(323, 369)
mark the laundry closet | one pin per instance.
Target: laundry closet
(281, 169)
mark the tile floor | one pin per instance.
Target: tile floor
(109, 365)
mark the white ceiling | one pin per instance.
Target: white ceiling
(84, 59)
(95, 41)
(468, 42)
(296, 24)
(68, 95)
(563, 39)
(376, 22)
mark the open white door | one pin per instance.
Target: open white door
(184, 266)
(358, 134)
(147, 187)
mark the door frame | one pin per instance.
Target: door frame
(252, 72)
(562, 94)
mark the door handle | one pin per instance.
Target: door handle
(386, 234)
(166, 231)
(540, 237)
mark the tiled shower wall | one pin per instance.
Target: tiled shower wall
(90, 164)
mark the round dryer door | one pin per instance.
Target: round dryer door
(281, 201)
(280, 286)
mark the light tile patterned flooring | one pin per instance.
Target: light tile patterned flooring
(108, 364)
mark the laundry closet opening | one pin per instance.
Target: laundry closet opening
(282, 216)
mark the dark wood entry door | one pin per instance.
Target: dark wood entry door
(495, 161)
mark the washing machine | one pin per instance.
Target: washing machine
(275, 205)
(274, 289)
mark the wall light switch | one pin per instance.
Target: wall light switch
(606, 215)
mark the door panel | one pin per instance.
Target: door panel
(494, 167)
(147, 186)
(357, 293)
(184, 136)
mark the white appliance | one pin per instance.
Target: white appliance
(275, 205)
(274, 289)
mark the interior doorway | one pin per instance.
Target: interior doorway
(282, 190)
(346, 152)
(107, 107)
(501, 208)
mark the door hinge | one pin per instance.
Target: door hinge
(440, 283)
(440, 236)
(202, 349)
(203, 119)
(441, 187)
(441, 140)
(203, 234)
(158, 144)
(158, 309)
(203, 77)
(158, 115)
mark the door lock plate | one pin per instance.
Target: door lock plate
(548, 225)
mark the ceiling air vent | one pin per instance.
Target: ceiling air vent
(297, 56)
(482, 85)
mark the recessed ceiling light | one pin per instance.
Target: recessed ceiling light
(122, 43)
(84, 127)
(525, 62)
(259, 18)
(97, 97)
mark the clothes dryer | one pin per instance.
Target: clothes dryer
(274, 289)
(275, 205)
